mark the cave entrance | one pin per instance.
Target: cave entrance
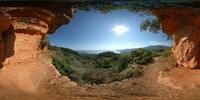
(97, 48)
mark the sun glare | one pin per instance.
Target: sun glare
(120, 29)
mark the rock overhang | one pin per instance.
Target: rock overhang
(53, 14)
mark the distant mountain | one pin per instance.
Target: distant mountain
(156, 47)
(95, 51)
(151, 48)
(124, 51)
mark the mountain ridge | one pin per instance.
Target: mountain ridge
(150, 48)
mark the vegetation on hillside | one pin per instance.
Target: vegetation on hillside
(141, 56)
(102, 68)
(167, 60)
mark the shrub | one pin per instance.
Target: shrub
(141, 56)
(124, 63)
(94, 76)
(130, 72)
(107, 60)
(103, 63)
(44, 43)
(167, 60)
(137, 72)
(107, 54)
(69, 70)
(167, 63)
(166, 52)
(59, 65)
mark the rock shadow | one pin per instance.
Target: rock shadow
(7, 40)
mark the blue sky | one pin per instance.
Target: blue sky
(95, 31)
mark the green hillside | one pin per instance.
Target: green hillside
(102, 68)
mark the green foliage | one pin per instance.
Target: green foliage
(153, 25)
(107, 59)
(100, 76)
(107, 54)
(141, 56)
(166, 52)
(165, 57)
(167, 60)
(103, 68)
(130, 72)
(137, 72)
(65, 69)
(64, 50)
(60, 65)
(69, 62)
(44, 43)
(124, 62)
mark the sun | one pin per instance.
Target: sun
(120, 29)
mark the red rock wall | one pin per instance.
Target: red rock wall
(21, 31)
(7, 37)
(183, 25)
(28, 20)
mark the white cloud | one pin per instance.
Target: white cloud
(157, 43)
(120, 29)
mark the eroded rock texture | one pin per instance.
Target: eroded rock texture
(22, 30)
(183, 25)
(7, 37)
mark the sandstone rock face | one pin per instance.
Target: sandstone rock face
(22, 30)
(182, 24)
(7, 37)
(5, 21)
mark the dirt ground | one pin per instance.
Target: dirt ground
(142, 88)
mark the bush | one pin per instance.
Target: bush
(69, 70)
(59, 65)
(107, 54)
(123, 63)
(44, 43)
(166, 53)
(97, 76)
(137, 72)
(107, 60)
(167, 60)
(130, 72)
(141, 56)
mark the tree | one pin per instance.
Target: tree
(141, 56)
(153, 25)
